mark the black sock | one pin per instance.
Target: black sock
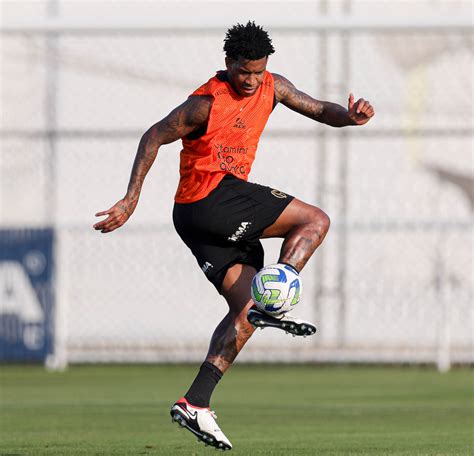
(206, 380)
(291, 266)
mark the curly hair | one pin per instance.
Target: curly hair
(249, 41)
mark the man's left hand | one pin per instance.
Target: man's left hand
(360, 111)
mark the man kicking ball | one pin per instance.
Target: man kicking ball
(219, 214)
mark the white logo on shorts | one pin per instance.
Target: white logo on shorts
(278, 193)
(240, 232)
(206, 267)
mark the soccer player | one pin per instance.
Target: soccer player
(220, 215)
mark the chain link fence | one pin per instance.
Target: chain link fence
(392, 281)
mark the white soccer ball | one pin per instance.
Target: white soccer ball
(276, 289)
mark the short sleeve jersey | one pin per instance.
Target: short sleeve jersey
(230, 141)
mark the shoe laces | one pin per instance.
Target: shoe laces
(213, 414)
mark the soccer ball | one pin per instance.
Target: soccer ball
(276, 289)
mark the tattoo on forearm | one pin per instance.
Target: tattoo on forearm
(144, 159)
(297, 100)
(323, 111)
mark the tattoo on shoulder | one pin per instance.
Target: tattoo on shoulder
(199, 109)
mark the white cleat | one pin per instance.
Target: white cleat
(201, 422)
(293, 326)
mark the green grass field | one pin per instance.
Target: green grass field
(264, 410)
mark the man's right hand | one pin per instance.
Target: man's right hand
(118, 214)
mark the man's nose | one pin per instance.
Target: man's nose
(251, 80)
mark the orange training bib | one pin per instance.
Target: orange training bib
(230, 142)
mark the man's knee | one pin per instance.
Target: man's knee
(319, 221)
(323, 221)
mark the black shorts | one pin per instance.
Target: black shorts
(225, 227)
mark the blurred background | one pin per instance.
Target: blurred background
(82, 80)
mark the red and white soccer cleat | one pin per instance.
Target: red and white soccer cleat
(201, 422)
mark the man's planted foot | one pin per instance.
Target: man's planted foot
(201, 422)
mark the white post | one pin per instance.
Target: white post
(443, 361)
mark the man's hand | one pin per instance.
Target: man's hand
(118, 214)
(361, 111)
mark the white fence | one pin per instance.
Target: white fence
(393, 280)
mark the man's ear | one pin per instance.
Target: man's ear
(229, 62)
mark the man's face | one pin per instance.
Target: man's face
(246, 76)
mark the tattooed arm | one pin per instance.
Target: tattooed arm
(186, 118)
(332, 114)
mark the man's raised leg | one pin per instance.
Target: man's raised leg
(303, 228)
